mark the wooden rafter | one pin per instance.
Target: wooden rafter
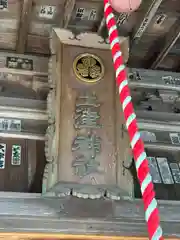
(152, 8)
(32, 114)
(169, 42)
(24, 25)
(68, 9)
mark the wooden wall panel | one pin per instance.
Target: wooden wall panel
(38, 65)
(89, 19)
(126, 22)
(9, 23)
(41, 24)
(171, 61)
(18, 175)
(12, 11)
(40, 29)
(8, 33)
(148, 46)
(26, 72)
(37, 44)
(40, 15)
(163, 20)
(159, 27)
(9, 38)
(26, 177)
(14, 178)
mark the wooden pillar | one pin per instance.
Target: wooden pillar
(88, 154)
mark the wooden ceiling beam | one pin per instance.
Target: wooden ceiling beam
(19, 64)
(152, 8)
(26, 11)
(143, 23)
(169, 42)
(125, 219)
(25, 70)
(23, 113)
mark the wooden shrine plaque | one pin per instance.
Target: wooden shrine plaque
(88, 160)
(87, 146)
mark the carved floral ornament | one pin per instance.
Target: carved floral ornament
(88, 68)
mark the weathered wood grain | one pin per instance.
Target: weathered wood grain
(71, 90)
(78, 216)
(89, 40)
(55, 18)
(12, 11)
(26, 9)
(8, 40)
(9, 25)
(123, 153)
(68, 89)
(90, 19)
(37, 44)
(170, 62)
(14, 178)
(35, 109)
(68, 9)
(20, 102)
(40, 26)
(23, 113)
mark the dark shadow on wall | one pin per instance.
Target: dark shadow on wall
(36, 185)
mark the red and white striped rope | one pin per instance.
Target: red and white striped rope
(137, 145)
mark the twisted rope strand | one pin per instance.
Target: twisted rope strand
(137, 145)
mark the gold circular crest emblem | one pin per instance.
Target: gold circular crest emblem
(88, 68)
